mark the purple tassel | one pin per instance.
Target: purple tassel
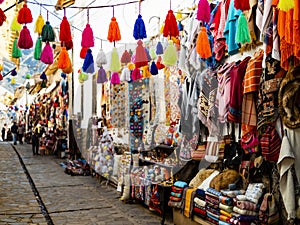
(159, 48)
(101, 78)
(43, 76)
(139, 31)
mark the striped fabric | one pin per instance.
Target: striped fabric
(246, 205)
(270, 143)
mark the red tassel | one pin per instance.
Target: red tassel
(2, 17)
(68, 44)
(25, 40)
(24, 15)
(83, 52)
(114, 31)
(171, 27)
(242, 5)
(136, 74)
(202, 44)
(141, 58)
(126, 58)
(65, 30)
(1, 77)
(87, 40)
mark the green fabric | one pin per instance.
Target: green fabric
(115, 64)
(48, 33)
(170, 55)
(16, 52)
(242, 34)
(38, 49)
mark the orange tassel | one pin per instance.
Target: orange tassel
(202, 45)
(64, 59)
(113, 31)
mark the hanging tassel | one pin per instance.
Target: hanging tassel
(242, 5)
(83, 52)
(131, 66)
(65, 30)
(159, 48)
(139, 31)
(67, 44)
(101, 78)
(63, 75)
(48, 33)
(153, 68)
(1, 1)
(82, 76)
(286, 5)
(203, 12)
(88, 64)
(170, 55)
(170, 28)
(202, 44)
(115, 63)
(25, 40)
(148, 54)
(38, 49)
(87, 40)
(27, 76)
(16, 52)
(39, 24)
(159, 64)
(14, 72)
(2, 17)
(68, 69)
(136, 74)
(242, 34)
(152, 53)
(146, 72)
(179, 14)
(13, 81)
(63, 59)
(15, 26)
(125, 58)
(125, 75)
(47, 54)
(101, 58)
(180, 26)
(24, 15)
(113, 31)
(43, 84)
(1, 77)
(140, 55)
(43, 76)
(115, 79)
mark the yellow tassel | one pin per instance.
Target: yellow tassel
(162, 28)
(39, 25)
(13, 81)
(15, 26)
(179, 15)
(146, 72)
(286, 5)
(1, 67)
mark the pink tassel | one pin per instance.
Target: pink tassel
(47, 54)
(136, 74)
(115, 79)
(87, 40)
(203, 13)
(25, 40)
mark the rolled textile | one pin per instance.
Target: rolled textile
(209, 204)
(199, 211)
(214, 211)
(246, 205)
(245, 218)
(244, 211)
(226, 207)
(211, 199)
(226, 200)
(177, 189)
(199, 201)
(180, 184)
(232, 193)
(213, 192)
(199, 207)
(224, 218)
(223, 212)
(241, 197)
(213, 217)
(175, 199)
(200, 192)
(178, 195)
(223, 223)
(212, 220)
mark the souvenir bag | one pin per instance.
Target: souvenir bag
(250, 142)
(214, 149)
(268, 212)
(199, 152)
(270, 143)
(186, 147)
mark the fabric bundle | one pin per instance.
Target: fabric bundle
(177, 189)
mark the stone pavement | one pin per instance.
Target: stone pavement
(57, 198)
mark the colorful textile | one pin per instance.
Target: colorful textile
(223, 223)
(180, 184)
(200, 211)
(232, 193)
(226, 208)
(199, 201)
(213, 192)
(175, 199)
(244, 211)
(212, 205)
(214, 218)
(213, 210)
(244, 218)
(211, 199)
(246, 205)
(178, 195)
(249, 114)
(224, 218)
(175, 204)
(200, 192)
(254, 192)
(177, 189)
(226, 200)
(223, 212)
(188, 202)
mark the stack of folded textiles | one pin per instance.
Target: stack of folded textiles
(246, 207)
(199, 205)
(175, 200)
(212, 199)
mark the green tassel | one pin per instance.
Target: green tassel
(115, 64)
(16, 52)
(48, 33)
(43, 85)
(38, 49)
(242, 34)
(170, 55)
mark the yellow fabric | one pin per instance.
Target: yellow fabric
(188, 197)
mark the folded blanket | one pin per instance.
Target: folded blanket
(254, 192)
(244, 218)
(209, 198)
(175, 204)
(175, 199)
(223, 223)
(226, 200)
(226, 208)
(244, 211)
(209, 204)
(177, 189)
(213, 211)
(200, 192)
(212, 220)
(223, 212)
(241, 197)
(213, 192)
(199, 207)
(199, 202)
(199, 211)
(246, 205)
(212, 216)
(180, 184)
(178, 195)
(232, 193)
(224, 218)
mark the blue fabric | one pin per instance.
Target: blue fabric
(223, 223)
(180, 184)
(213, 191)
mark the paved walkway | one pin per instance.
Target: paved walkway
(57, 198)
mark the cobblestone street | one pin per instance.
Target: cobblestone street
(57, 198)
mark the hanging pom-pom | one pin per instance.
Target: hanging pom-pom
(159, 48)
(15, 26)
(140, 55)
(65, 30)
(136, 74)
(125, 75)
(203, 12)
(242, 34)
(146, 72)
(87, 40)
(88, 64)
(242, 5)
(43, 84)
(286, 5)
(115, 63)
(139, 31)
(48, 33)
(68, 69)
(101, 58)
(170, 28)
(63, 59)
(159, 64)
(2, 17)
(115, 79)
(202, 44)
(16, 52)
(25, 40)
(153, 68)
(83, 52)
(43, 76)
(24, 15)
(14, 72)
(101, 77)
(170, 55)
(63, 75)
(39, 24)
(47, 54)
(38, 49)
(152, 53)
(67, 44)
(113, 31)
(13, 81)
(125, 58)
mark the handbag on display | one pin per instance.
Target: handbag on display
(270, 143)
(214, 149)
